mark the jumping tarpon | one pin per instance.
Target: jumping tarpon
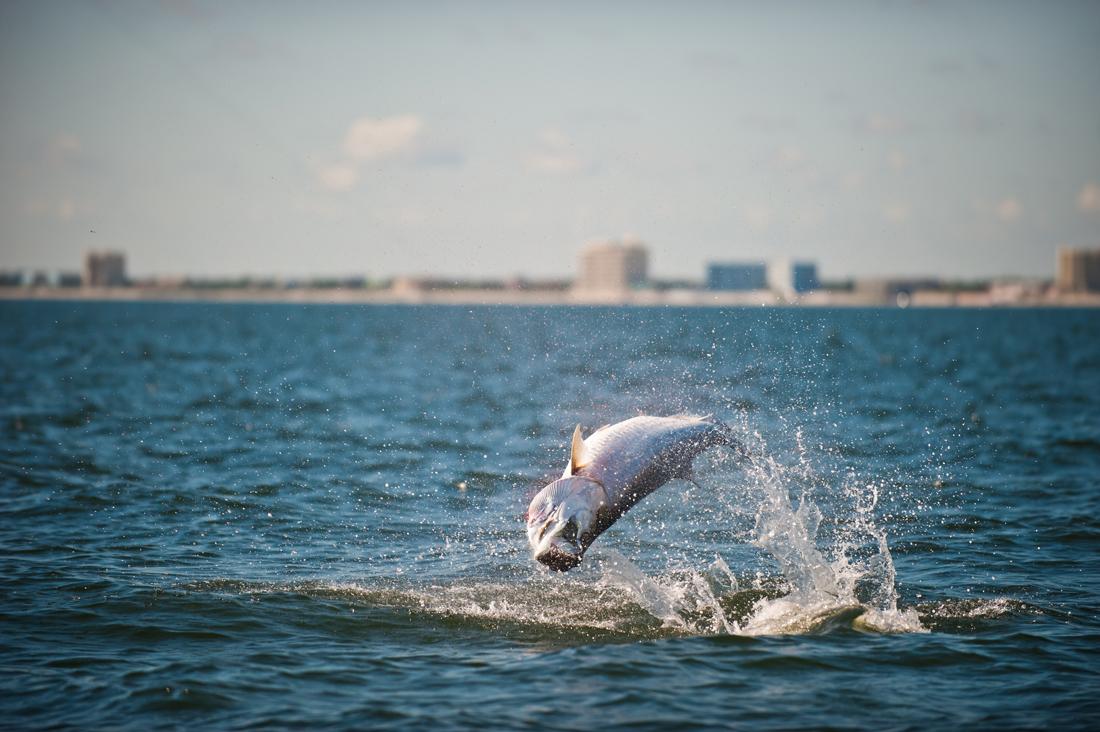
(617, 466)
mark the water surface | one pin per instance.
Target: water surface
(309, 516)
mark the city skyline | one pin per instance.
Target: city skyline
(492, 140)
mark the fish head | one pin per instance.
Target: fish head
(563, 519)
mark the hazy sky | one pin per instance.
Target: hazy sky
(493, 139)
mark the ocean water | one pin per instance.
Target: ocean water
(312, 517)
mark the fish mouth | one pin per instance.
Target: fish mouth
(558, 559)
(557, 549)
(563, 520)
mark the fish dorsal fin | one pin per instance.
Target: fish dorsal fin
(579, 455)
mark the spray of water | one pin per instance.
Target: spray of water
(822, 587)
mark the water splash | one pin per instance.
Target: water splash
(823, 586)
(689, 600)
(665, 602)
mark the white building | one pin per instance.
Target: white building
(609, 266)
(788, 277)
(1078, 270)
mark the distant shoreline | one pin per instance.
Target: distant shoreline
(1004, 297)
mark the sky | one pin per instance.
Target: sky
(473, 140)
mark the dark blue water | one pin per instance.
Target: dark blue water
(283, 516)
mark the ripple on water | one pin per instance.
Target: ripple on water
(312, 516)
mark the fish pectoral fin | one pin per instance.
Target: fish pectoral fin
(579, 456)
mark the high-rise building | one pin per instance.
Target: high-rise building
(104, 269)
(1078, 270)
(737, 276)
(613, 266)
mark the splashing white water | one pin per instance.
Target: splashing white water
(662, 602)
(686, 602)
(818, 593)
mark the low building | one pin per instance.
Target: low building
(737, 276)
(14, 279)
(104, 269)
(1078, 270)
(609, 266)
(887, 291)
(40, 278)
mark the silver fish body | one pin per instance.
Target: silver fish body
(617, 466)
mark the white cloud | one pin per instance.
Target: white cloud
(885, 123)
(897, 213)
(549, 162)
(371, 139)
(810, 217)
(554, 154)
(852, 180)
(757, 217)
(1088, 200)
(897, 160)
(63, 149)
(1009, 209)
(791, 155)
(798, 169)
(658, 160)
(338, 177)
